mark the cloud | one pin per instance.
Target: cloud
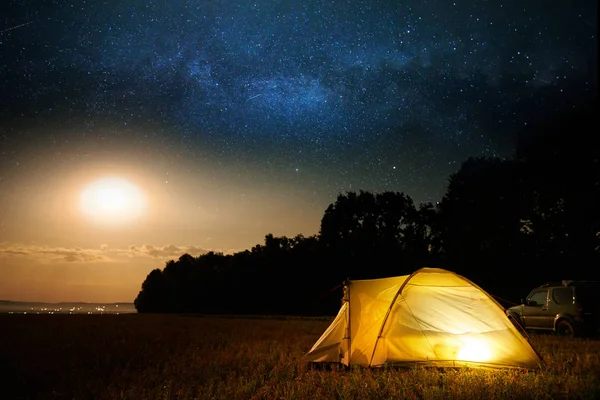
(53, 254)
(103, 253)
(172, 251)
(15, 252)
(161, 251)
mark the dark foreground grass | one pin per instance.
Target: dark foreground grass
(186, 357)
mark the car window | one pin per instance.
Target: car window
(539, 297)
(563, 295)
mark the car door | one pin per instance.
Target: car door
(561, 302)
(535, 309)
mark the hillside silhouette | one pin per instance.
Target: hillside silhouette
(506, 224)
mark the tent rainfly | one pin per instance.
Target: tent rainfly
(432, 317)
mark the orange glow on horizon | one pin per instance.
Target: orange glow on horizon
(91, 230)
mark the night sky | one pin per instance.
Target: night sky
(238, 119)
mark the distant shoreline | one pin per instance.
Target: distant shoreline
(79, 307)
(62, 302)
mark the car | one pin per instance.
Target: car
(568, 308)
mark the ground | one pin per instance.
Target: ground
(192, 357)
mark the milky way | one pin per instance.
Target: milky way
(377, 95)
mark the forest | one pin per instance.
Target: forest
(507, 224)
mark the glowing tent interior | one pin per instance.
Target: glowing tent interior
(432, 317)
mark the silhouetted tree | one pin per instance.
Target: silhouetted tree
(275, 278)
(370, 235)
(480, 220)
(152, 296)
(559, 181)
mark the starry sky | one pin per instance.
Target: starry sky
(242, 118)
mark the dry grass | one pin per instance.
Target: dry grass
(185, 357)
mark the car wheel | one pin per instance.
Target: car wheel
(565, 328)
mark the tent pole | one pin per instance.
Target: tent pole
(349, 325)
(387, 314)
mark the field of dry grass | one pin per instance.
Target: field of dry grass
(187, 357)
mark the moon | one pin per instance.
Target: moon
(112, 200)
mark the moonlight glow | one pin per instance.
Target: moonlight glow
(112, 200)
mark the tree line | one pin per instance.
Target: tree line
(508, 224)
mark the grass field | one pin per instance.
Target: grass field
(185, 357)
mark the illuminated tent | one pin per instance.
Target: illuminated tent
(432, 317)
